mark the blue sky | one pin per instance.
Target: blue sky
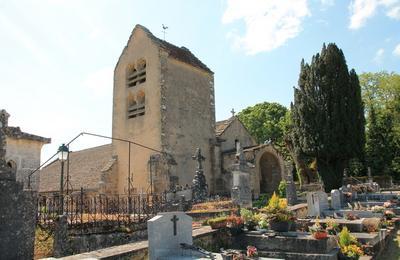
(57, 56)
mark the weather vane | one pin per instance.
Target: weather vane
(164, 30)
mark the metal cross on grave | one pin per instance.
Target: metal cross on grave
(174, 219)
(199, 158)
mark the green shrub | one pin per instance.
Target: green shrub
(261, 202)
(282, 189)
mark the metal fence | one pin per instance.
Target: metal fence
(99, 213)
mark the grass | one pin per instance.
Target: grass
(43, 244)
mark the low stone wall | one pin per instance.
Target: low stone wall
(71, 242)
(139, 250)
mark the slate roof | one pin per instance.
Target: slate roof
(15, 132)
(221, 126)
(182, 54)
(85, 168)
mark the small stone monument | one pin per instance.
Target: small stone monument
(317, 203)
(291, 194)
(166, 232)
(370, 180)
(199, 187)
(336, 199)
(241, 186)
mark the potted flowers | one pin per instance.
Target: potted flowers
(278, 215)
(235, 224)
(249, 219)
(349, 247)
(318, 231)
(252, 251)
(217, 223)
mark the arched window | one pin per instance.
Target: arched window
(12, 165)
(136, 74)
(136, 108)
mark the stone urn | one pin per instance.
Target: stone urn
(279, 226)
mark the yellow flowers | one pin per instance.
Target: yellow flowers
(352, 251)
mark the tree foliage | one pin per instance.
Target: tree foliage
(381, 95)
(265, 121)
(327, 114)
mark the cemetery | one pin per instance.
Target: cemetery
(342, 224)
(319, 180)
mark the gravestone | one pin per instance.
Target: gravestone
(241, 181)
(291, 194)
(166, 232)
(199, 187)
(336, 199)
(317, 202)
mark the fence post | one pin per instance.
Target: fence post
(60, 243)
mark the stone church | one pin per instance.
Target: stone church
(163, 98)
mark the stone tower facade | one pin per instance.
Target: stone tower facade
(163, 99)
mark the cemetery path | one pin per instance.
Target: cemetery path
(393, 249)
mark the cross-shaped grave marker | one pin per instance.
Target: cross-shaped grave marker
(174, 219)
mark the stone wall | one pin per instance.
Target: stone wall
(144, 129)
(68, 242)
(26, 155)
(17, 219)
(188, 117)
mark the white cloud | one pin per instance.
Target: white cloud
(362, 10)
(100, 81)
(327, 3)
(379, 56)
(269, 23)
(396, 50)
(394, 13)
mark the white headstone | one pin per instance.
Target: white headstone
(336, 199)
(166, 232)
(317, 203)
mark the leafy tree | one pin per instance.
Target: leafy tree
(381, 95)
(327, 114)
(265, 121)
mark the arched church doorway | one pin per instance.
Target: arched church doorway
(270, 173)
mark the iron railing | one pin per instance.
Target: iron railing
(100, 213)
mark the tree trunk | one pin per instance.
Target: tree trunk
(306, 175)
(331, 173)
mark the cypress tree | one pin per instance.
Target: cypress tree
(327, 114)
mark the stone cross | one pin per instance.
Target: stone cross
(199, 158)
(233, 112)
(174, 219)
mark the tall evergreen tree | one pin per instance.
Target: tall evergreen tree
(327, 114)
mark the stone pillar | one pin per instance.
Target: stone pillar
(60, 243)
(291, 194)
(17, 214)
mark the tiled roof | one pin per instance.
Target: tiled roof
(179, 53)
(15, 132)
(221, 126)
(85, 168)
